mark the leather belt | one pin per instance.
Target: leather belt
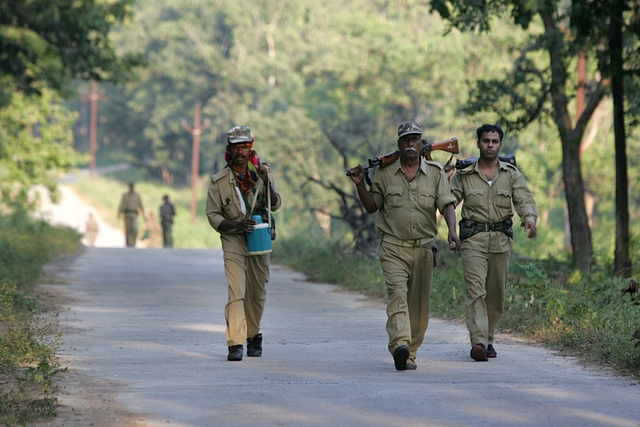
(424, 242)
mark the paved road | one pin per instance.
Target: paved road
(151, 322)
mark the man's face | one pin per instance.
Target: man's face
(409, 146)
(489, 145)
(239, 153)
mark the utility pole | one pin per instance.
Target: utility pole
(196, 131)
(95, 96)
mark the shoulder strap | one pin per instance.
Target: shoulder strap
(253, 203)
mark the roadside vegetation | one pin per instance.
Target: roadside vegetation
(29, 367)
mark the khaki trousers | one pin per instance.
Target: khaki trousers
(131, 228)
(485, 277)
(247, 276)
(407, 271)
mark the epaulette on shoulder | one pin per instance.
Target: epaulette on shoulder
(467, 169)
(510, 166)
(217, 176)
(434, 163)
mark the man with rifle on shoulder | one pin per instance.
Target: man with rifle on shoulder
(488, 187)
(407, 194)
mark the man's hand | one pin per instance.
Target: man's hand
(449, 170)
(356, 174)
(455, 244)
(246, 225)
(531, 228)
(263, 170)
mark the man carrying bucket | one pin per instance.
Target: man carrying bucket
(243, 188)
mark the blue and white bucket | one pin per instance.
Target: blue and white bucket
(259, 240)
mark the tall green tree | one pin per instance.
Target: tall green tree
(617, 27)
(44, 45)
(47, 43)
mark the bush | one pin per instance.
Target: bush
(28, 341)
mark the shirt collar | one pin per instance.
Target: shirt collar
(423, 165)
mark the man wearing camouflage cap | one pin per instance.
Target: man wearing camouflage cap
(407, 194)
(231, 192)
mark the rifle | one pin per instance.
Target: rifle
(449, 145)
(507, 158)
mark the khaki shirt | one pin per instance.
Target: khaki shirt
(223, 202)
(408, 208)
(130, 203)
(486, 203)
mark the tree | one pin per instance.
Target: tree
(44, 45)
(617, 27)
(547, 22)
(36, 139)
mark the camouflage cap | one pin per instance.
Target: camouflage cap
(408, 128)
(239, 134)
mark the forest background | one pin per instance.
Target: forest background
(323, 86)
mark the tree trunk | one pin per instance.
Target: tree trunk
(622, 263)
(574, 192)
(570, 137)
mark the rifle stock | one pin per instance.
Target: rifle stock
(449, 145)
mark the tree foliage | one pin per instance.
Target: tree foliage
(36, 142)
(324, 85)
(537, 85)
(44, 45)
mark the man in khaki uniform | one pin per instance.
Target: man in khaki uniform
(91, 230)
(151, 232)
(231, 192)
(130, 205)
(488, 187)
(407, 194)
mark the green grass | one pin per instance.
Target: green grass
(28, 339)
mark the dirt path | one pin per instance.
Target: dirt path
(73, 212)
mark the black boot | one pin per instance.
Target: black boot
(254, 346)
(235, 352)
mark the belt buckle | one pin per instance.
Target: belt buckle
(487, 227)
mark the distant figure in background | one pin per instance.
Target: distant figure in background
(130, 205)
(151, 232)
(167, 212)
(91, 230)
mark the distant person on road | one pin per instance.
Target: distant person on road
(130, 205)
(167, 212)
(91, 230)
(407, 195)
(488, 188)
(151, 232)
(231, 192)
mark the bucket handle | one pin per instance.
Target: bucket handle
(255, 197)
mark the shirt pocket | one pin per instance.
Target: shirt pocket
(230, 208)
(475, 197)
(426, 198)
(393, 196)
(504, 198)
